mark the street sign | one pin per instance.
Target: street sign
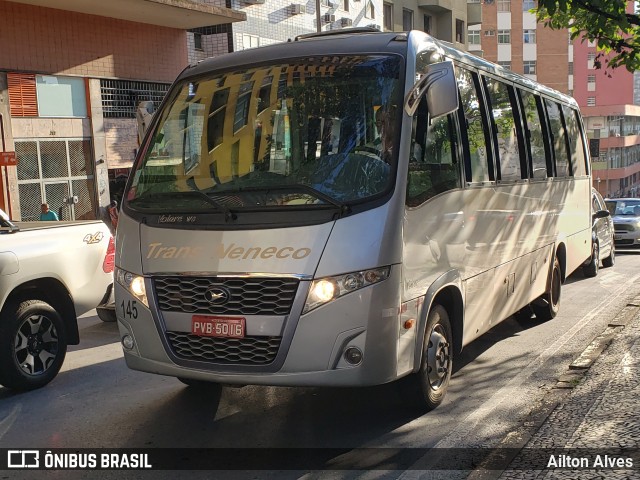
(8, 159)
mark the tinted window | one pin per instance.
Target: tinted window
(434, 166)
(505, 130)
(533, 134)
(578, 158)
(475, 127)
(559, 139)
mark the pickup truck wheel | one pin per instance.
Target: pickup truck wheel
(32, 345)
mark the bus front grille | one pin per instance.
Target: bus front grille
(232, 351)
(245, 296)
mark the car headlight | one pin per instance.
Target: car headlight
(133, 283)
(324, 290)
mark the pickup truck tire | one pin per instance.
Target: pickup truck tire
(32, 345)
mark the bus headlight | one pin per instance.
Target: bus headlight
(133, 283)
(324, 290)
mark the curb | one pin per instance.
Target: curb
(514, 441)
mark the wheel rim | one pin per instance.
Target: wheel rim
(596, 256)
(36, 345)
(438, 357)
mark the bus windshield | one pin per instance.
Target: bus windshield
(315, 131)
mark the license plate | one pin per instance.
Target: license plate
(208, 326)
(617, 237)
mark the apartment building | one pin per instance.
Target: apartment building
(70, 80)
(510, 36)
(275, 21)
(608, 100)
(444, 19)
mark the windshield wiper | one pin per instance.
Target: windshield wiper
(344, 208)
(228, 214)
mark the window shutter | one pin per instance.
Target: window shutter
(22, 95)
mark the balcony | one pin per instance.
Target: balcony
(181, 14)
(436, 6)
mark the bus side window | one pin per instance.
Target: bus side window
(473, 128)
(535, 142)
(434, 166)
(505, 133)
(576, 144)
(559, 139)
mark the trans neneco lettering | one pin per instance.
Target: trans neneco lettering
(232, 251)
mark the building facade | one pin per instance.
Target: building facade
(444, 19)
(511, 36)
(275, 21)
(607, 100)
(70, 80)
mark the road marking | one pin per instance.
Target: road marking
(459, 436)
(92, 356)
(9, 420)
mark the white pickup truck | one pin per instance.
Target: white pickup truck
(50, 272)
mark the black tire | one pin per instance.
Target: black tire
(591, 270)
(427, 388)
(610, 261)
(33, 345)
(548, 305)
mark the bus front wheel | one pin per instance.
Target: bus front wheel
(548, 305)
(426, 388)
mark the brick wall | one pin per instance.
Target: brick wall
(47, 40)
(553, 58)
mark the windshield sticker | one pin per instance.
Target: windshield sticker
(232, 251)
(177, 218)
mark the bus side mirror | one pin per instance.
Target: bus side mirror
(439, 83)
(601, 214)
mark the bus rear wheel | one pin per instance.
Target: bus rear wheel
(427, 388)
(548, 305)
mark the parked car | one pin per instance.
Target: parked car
(602, 237)
(50, 272)
(626, 220)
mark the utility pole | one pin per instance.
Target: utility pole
(319, 27)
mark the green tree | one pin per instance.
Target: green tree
(608, 22)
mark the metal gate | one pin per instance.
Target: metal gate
(54, 172)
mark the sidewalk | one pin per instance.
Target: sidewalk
(602, 410)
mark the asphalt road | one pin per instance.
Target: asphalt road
(97, 402)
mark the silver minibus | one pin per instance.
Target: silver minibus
(349, 208)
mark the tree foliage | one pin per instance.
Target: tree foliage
(607, 22)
